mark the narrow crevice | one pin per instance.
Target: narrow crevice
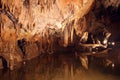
(21, 43)
(0, 4)
(4, 62)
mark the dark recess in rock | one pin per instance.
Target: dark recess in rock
(4, 62)
(26, 3)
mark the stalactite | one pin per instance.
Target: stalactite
(66, 36)
(26, 20)
(72, 34)
(30, 18)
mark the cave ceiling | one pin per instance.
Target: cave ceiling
(27, 18)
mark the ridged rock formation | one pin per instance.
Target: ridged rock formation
(31, 27)
(33, 24)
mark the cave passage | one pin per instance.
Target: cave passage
(59, 39)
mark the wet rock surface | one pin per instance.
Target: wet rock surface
(30, 28)
(24, 19)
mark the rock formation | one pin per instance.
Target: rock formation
(31, 27)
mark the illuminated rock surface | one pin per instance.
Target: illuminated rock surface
(31, 27)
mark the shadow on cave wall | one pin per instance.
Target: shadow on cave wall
(0, 4)
(114, 25)
(4, 62)
(110, 19)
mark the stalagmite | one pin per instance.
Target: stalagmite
(24, 13)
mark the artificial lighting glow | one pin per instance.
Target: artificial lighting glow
(113, 65)
(113, 43)
(105, 41)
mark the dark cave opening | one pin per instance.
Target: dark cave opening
(21, 43)
(110, 19)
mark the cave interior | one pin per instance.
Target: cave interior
(84, 28)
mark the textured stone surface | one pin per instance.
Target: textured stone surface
(43, 20)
